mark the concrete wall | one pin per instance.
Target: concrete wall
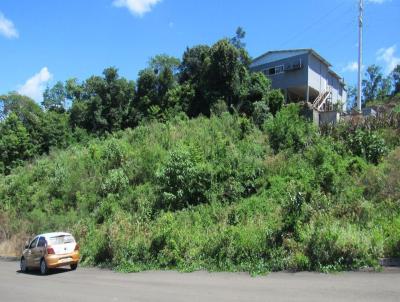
(328, 117)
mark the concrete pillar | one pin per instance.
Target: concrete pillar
(308, 94)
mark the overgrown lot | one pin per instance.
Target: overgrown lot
(218, 193)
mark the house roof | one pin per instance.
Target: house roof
(292, 52)
(336, 75)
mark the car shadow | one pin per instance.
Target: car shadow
(53, 271)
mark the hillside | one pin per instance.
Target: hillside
(218, 194)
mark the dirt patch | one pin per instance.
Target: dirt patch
(12, 246)
(11, 242)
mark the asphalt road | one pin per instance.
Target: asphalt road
(91, 284)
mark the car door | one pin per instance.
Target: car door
(29, 255)
(38, 252)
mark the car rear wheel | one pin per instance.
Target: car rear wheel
(23, 266)
(74, 266)
(43, 267)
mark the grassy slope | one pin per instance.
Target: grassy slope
(209, 193)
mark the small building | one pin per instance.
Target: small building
(304, 75)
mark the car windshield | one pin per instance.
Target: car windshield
(61, 239)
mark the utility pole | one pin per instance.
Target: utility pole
(360, 29)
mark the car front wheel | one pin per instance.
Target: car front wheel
(74, 266)
(23, 266)
(43, 267)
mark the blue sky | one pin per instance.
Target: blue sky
(45, 41)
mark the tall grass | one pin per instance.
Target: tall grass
(212, 193)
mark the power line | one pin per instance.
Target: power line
(351, 24)
(340, 31)
(314, 23)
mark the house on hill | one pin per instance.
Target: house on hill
(304, 75)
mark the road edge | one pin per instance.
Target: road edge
(9, 258)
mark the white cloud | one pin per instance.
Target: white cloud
(351, 67)
(35, 86)
(7, 28)
(387, 55)
(137, 7)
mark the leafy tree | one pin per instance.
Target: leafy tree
(259, 87)
(367, 144)
(73, 89)
(26, 109)
(153, 86)
(194, 71)
(396, 79)
(15, 145)
(256, 89)
(287, 130)
(225, 73)
(184, 181)
(44, 130)
(54, 98)
(56, 131)
(375, 85)
(372, 82)
(260, 113)
(146, 93)
(237, 40)
(219, 73)
(165, 82)
(162, 62)
(77, 114)
(351, 96)
(384, 89)
(179, 98)
(275, 100)
(101, 104)
(28, 113)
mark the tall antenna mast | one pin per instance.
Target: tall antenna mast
(360, 28)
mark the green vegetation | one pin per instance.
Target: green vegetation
(198, 166)
(216, 193)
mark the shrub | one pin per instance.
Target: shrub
(97, 247)
(275, 100)
(184, 181)
(260, 113)
(367, 144)
(289, 131)
(331, 245)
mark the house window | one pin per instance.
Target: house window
(276, 70)
(279, 69)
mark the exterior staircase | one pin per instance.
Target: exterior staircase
(323, 109)
(323, 101)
